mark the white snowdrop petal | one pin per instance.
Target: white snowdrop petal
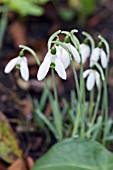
(24, 69)
(90, 81)
(65, 58)
(85, 73)
(59, 50)
(94, 56)
(44, 68)
(103, 58)
(10, 65)
(60, 69)
(85, 52)
(74, 52)
(97, 76)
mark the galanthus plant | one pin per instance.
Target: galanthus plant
(81, 127)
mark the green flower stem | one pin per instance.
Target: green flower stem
(58, 116)
(91, 103)
(30, 51)
(54, 85)
(95, 113)
(82, 99)
(76, 80)
(106, 110)
(3, 25)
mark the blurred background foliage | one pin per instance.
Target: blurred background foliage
(66, 9)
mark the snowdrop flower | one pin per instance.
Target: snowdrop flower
(51, 59)
(96, 54)
(85, 52)
(21, 63)
(63, 56)
(93, 77)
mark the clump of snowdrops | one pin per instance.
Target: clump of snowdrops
(88, 118)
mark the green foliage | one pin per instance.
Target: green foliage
(66, 14)
(83, 8)
(72, 154)
(86, 8)
(23, 7)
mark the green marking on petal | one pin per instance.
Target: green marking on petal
(18, 66)
(52, 65)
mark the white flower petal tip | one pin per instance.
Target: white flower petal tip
(103, 58)
(10, 65)
(93, 78)
(22, 61)
(60, 69)
(44, 68)
(24, 71)
(85, 52)
(74, 53)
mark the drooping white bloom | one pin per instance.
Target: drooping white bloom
(64, 56)
(74, 52)
(92, 77)
(21, 63)
(85, 52)
(51, 59)
(98, 53)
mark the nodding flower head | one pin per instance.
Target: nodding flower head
(51, 60)
(98, 53)
(21, 63)
(85, 52)
(92, 77)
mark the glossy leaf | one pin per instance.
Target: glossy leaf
(72, 154)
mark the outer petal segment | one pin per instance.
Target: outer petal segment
(44, 68)
(74, 52)
(11, 65)
(85, 52)
(24, 69)
(103, 58)
(90, 81)
(60, 69)
(94, 56)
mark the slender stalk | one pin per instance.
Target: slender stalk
(76, 80)
(54, 85)
(106, 111)
(95, 113)
(82, 99)
(91, 103)
(56, 109)
(3, 25)
(30, 51)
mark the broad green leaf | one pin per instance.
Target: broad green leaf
(23, 7)
(73, 154)
(9, 149)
